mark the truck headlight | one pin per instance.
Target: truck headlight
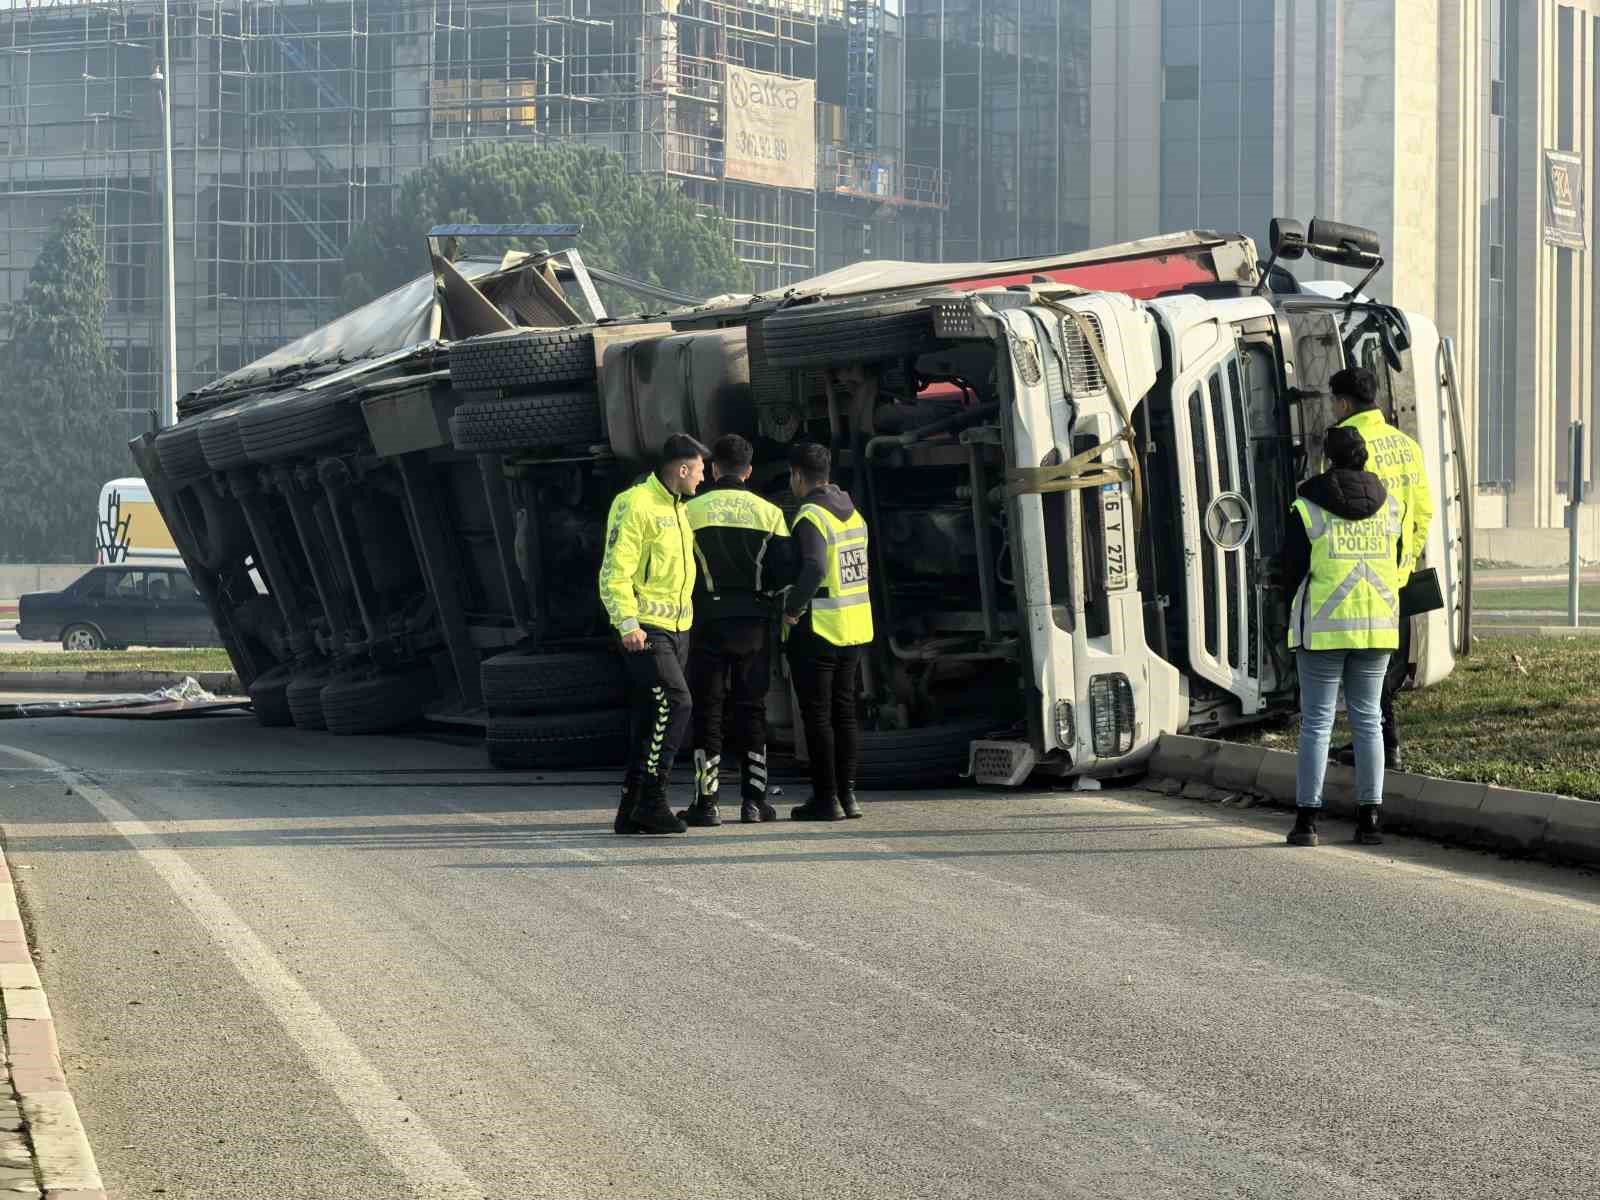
(1111, 711)
(1066, 728)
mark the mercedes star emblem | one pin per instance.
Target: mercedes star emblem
(1229, 521)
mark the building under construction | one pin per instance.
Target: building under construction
(294, 121)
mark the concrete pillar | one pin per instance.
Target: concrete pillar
(1125, 87)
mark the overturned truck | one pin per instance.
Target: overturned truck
(1076, 470)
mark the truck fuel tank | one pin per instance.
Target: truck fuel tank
(695, 382)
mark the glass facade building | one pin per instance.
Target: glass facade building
(1497, 426)
(1217, 63)
(997, 96)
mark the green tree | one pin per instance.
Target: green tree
(63, 439)
(647, 229)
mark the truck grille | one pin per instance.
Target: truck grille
(1083, 372)
(1221, 449)
(1246, 487)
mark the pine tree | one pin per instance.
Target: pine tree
(644, 228)
(62, 437)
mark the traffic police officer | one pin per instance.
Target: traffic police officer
(829, 618)
(741, 547)
(1341, 557)
(1395, 458)
(646, 581)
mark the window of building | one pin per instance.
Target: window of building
(1183, 83)
(1564, 75)
(1497, 262)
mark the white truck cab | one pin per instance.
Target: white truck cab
(1144, 574)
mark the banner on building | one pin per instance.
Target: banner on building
(1563, 200)
(770, 129)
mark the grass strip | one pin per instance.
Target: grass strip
(1520, 713)
(118, 660)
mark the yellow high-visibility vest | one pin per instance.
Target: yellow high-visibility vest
(841, 611)
(1349, 599)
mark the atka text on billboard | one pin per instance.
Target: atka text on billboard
(771, 129)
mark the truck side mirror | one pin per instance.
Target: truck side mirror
(1287, 239)
(1344, 245)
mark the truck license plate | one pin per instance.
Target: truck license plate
(1113, 524)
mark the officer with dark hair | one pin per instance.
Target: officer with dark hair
(1397, 460)
(646, 582)
(829, 619)
(742, 552)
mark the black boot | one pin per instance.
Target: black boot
(818, 810)
(1391, 758)
(653, 814)
(754, 805)
(848, 802)
(1344, 755)
(1304, 832)
(704, 813)
(630, 800)
(1367, 833)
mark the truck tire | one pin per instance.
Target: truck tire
(527, 423)
(933, 754)
(820, 335)
(269, 698)
(374, 704)
(304, 696)
(587, 739)
(521, 360)
(562, 682)
(181, 455)
(298, 424)
(222, 442)
(218, 525)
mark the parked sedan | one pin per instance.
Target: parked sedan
(116, 606)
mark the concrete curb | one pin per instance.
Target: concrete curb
(218, 683)
(1560, 829)
(59, 1164)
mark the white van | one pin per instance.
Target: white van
(128, 525)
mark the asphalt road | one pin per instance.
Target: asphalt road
(10, 643)
(289, 965)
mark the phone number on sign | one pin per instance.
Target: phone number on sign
(753, 145)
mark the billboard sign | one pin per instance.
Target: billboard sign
(1563, 200)
(770, 129)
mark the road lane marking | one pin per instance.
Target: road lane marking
(397, 1130)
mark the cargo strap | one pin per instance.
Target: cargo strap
(1087, 470)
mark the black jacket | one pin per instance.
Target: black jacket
(742, 550)
(813, 552)
(1353, 495)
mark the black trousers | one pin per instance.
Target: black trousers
(1399, 668)
(730, 669)
(659, 706)
(827, 682)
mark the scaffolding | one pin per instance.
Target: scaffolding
(294, 121)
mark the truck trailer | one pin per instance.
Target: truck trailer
(1076, 470)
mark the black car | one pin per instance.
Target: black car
(116, 606)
